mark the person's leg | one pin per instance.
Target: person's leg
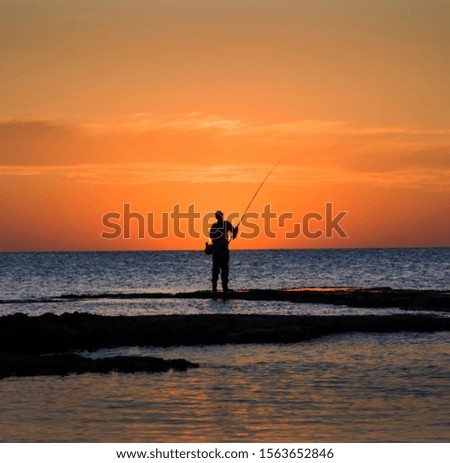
(215, 271)
(225, 269)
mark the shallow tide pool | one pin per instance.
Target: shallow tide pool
(348, 388)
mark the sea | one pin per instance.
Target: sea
(378, 387)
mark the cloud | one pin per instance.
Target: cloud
(132, 174)
(199, 148)
(141, 122)
(407, 130)
(227, 127)
(285, 174)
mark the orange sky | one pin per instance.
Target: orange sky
(157, 103)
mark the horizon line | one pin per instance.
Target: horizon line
(233, 250)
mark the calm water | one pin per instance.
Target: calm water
(355, 388)
(350, 388)
(26, 278)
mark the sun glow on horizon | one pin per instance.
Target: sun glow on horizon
(152, 105)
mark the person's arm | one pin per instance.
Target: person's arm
(232, 230)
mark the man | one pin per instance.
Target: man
(221, 233)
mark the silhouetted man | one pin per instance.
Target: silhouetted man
(221, 233)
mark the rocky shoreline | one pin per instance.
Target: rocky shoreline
(71, 332)
(48, 344)
(407, 299)
(65, 364)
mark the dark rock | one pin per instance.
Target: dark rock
(77, 331)
(65, 364)
(353, 297)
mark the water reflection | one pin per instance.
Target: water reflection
(389, 387)
(135, 307)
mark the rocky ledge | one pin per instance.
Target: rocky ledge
(407, 299)
(65, 364)
(71, 332)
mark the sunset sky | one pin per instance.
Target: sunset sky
(155, 103)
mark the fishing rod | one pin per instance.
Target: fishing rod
(257, 191)
(209, 246)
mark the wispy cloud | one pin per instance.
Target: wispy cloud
(198, 148)
(201, 121)
(287, 174)
(215, 124)
(226, 126)
(142, 122)
(129, 174)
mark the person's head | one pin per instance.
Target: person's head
(219, 216)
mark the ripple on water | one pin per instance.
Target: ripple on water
(366, 388)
